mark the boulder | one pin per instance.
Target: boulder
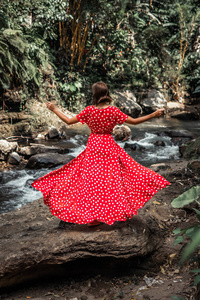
(53, 133)
(190, 149)
(177, 133)
(177, 141)
(187, 115)
(33, 245)
(134, 147)
(194, 166)
(14, 117)
(121, 133)
(159, 144)
(126, 102)
(174, 106)
(48, 160)
(14, 158)
(6, 147)
(158, 167)
(40, 148)
(22, 128)
(155, 100)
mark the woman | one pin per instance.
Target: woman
(103, 183)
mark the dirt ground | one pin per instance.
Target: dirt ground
(158, 278)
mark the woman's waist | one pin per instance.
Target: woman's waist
(101, 133)
(98, 137)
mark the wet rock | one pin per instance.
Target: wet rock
(158, 167)
(53, 133)
(177, 133)
(134, 147)
(126, 102)
(6, 147)
(39, 148)
(28, 183)
(155, 100)
(190, 115)
(177, 141)
(48, 160)
(190, 149)
(32, 245)
(159, 143)
(121, 133)
(67, 145)
(14, 158)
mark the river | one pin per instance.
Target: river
(15, 188)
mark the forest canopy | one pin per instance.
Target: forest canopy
(55, 49)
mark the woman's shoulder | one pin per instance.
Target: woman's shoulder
(92, 107)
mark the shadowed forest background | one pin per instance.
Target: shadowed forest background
(55, 49)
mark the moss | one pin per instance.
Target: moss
(192, 149)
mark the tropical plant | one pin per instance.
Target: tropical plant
(17, 67)
(138, 44)
(191, 232)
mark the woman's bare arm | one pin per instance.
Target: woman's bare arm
(139, 120)
(63, 117)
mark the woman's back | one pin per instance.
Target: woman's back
(101, 120)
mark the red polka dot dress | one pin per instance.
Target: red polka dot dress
(103, 182)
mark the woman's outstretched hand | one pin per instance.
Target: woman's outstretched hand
(51, 106)
(159, 112)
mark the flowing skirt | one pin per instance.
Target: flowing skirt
(102, 183)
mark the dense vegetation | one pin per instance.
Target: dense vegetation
(55, 49)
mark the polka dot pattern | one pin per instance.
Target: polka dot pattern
(103, 182)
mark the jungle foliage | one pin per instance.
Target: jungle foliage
(192, 233)
(58, 48)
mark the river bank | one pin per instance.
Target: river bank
(152, 142)
(157, 276)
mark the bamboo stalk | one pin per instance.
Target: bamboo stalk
(82, 44)
(60, 32)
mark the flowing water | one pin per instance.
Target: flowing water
(15, 188)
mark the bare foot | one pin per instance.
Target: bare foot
(94, 223)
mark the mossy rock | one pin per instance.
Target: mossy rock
(191, 149)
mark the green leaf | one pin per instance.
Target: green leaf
(78, 84)
(191, 231)
(72, 88)
(177, 230)
(192, 246)
(197, 212)
(178, 240)
(197, 280)
(177, 298)
(187, 197)
(195, 271)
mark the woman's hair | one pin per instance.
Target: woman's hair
(100, 93)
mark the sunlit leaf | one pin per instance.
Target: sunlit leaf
(187, 197)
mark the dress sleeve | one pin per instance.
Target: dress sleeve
(120, 116)
(83, 116)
